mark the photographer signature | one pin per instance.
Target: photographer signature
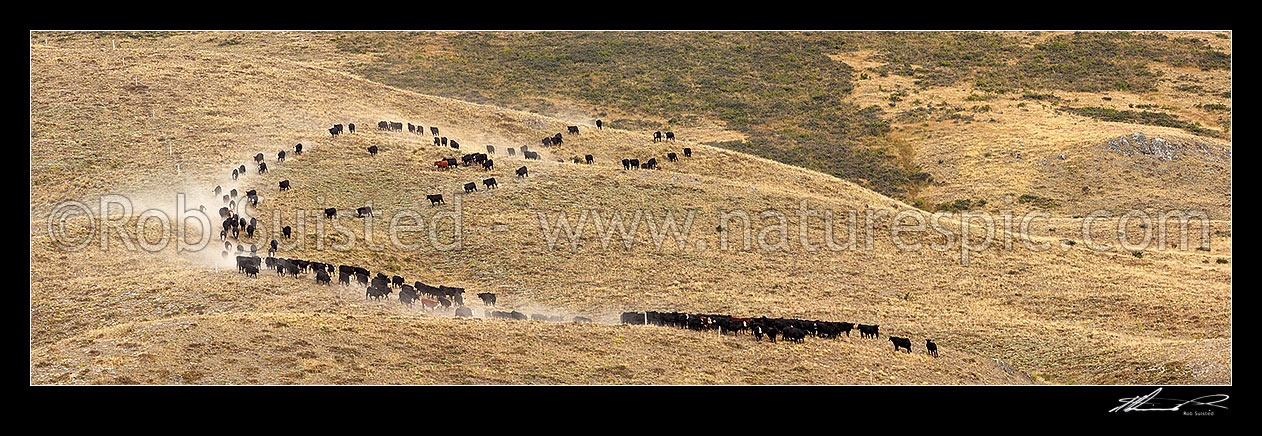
(1150, 403)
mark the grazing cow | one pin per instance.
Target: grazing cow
(573, 129)
(512, 152)
(258, 157)
(657, 136)
(846, 327)
(517, 316)
(464, 312)
(451, 162)
(487, 298)
(284, 185)
(588, 158)
(442, 140)
(470, 187)
(343, 279)
(522, 172)
(556, 140)
(433, 130)
(224, 212)
(351, 127)
(372, 150)
(398, 127)
(322, 277)
(546, 141)
(930, 347)
(234, 174)
(333, 131)
(286, 231)
(490, 149)
(868, 331)
(524, 149)
(600, 124)
(455, 144)
(575, 159)
(626, 164)
(338, 127)
(280, 156)
(442, 164)
(582, 319)
(330, 213)
(436, 141)
(363, 211)
(670, 136)
(383, 125)
(488, 164)
(251, 271)
(298, 148)
(794, 334)
(687, 152)
(444, 302)
(671, 157)
(901, 343)
(490, 183)
(531, 155)
(435, 199)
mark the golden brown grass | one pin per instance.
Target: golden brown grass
(1064, 316)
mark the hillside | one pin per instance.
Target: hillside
(100, 126)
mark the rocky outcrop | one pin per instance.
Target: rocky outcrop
(1173, 149)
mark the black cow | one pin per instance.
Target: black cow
(600, 124)
(588, 158)
(234, 174)
(793, 334)
(338, 127)
(433, 130)
(538, 317)
(435, 199)
(372, 150)
(573, 129)
(582, 319)
(546, 141)
(846, 327)
(443, 140)
(351, 127)
(224, 212)
(398, 127)
(522, 172)
(436, 141)
(525, 148)
(330, 213)
(488, 164)
(322, 277)
(490, 183)
(363, 211)
(455, 144)
(512, 152)
(490, 149)
(518, 316)
(635, 164)
(298, 148)
(280, 157)
(556, 140)
(218, 190)
(249, 231)
(930, 347)
(258, 157)
(470, 187)
(464, 312)
(657, 136)
(274, 245)
(901, 343)
(407, 296)
(671, 157)
(670, 136)
(626, 164)
(411, 128)
(343, 279)
(687, 152)
(531, 155)
(284, 185)
(487, 298)
(396, 281)
(286, 231)
(241, 169)
(868, 331)
(333, 131)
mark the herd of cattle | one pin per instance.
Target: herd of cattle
(380, 286)
(789, 329)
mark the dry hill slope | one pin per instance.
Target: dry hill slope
(1065, 316)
